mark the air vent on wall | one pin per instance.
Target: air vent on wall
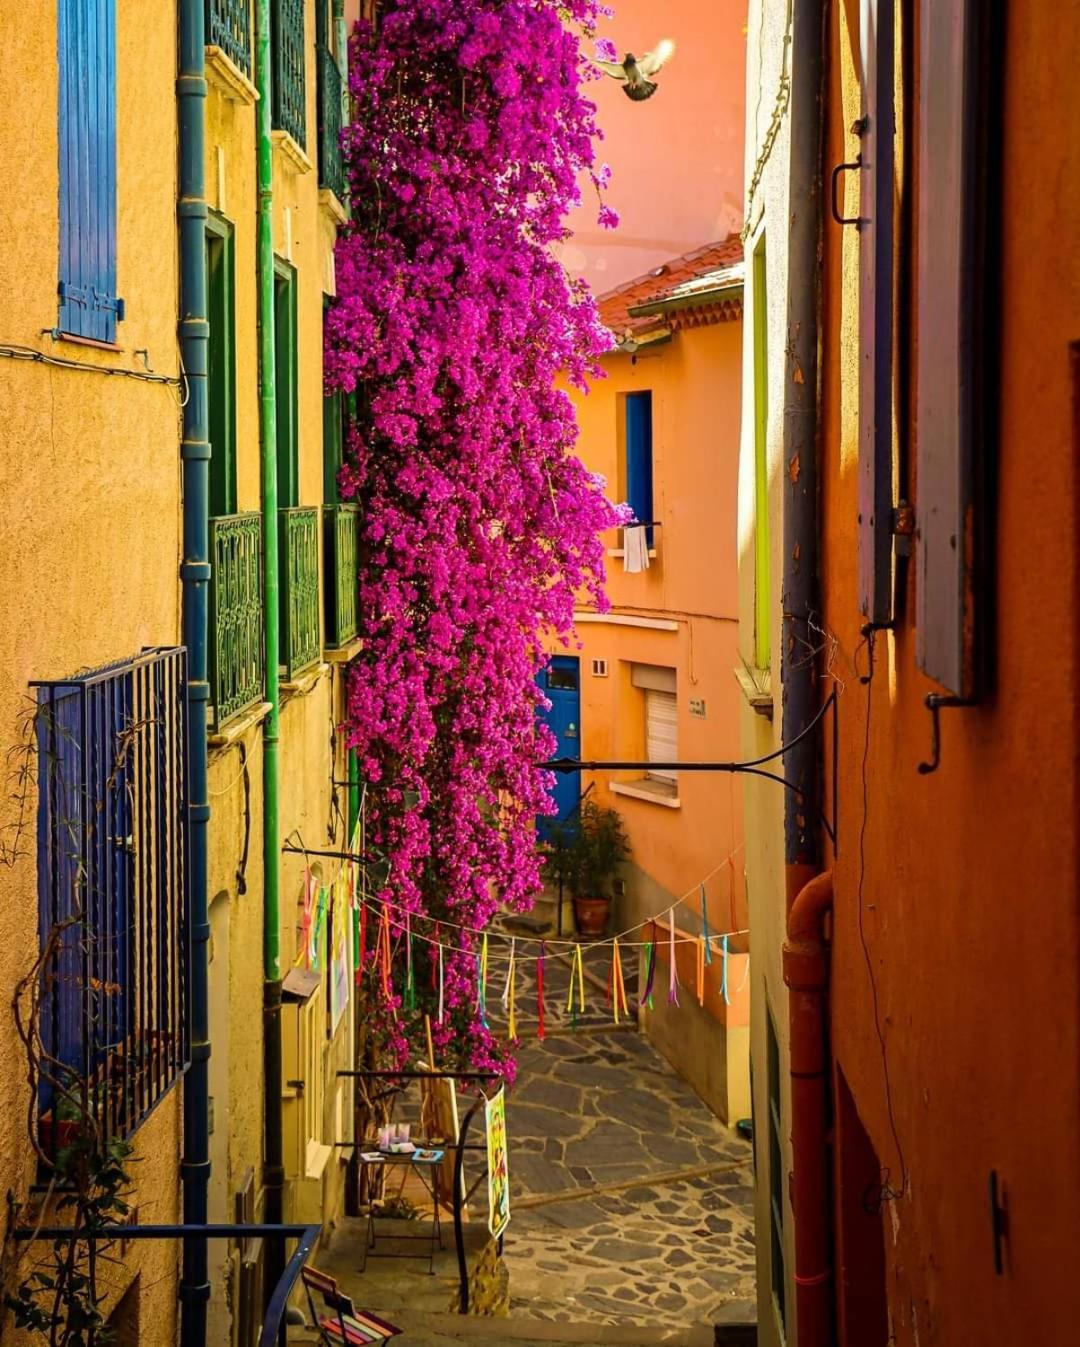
(599, 668)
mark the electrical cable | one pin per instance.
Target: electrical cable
(13, 351)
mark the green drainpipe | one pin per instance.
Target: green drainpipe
(193, 332)
(273, 1166)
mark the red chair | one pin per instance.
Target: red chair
(339, 1322)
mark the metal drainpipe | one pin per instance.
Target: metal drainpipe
(193, 333)
(273, 1165)
(804, 959)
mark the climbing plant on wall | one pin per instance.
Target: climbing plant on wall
(453, 322)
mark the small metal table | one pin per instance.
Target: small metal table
(406, 1161)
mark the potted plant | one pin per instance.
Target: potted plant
(587, 853)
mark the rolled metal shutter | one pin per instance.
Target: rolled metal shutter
(661, 732)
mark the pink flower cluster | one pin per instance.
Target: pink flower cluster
(453, 320)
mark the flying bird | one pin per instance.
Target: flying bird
(635, 71)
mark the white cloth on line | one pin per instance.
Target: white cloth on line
(635, 548)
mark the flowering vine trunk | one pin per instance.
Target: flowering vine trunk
(479, 525)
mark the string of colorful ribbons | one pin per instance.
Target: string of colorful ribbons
(348, 892)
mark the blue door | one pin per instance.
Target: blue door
(561, 684)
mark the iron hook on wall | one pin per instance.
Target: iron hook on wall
(852, 167)
(934, 702)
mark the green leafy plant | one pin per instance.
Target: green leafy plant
(588, 849)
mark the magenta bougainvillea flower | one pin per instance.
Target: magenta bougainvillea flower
(453, 320)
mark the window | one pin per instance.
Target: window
(661, 734)
(289, 50)
(333, 437)
(221, 366)
(762, 562)
(112, 890)
(952, 444)
(86, 51)
(285, 378)
(776, 1173)
(639, 457)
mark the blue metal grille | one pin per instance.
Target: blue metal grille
(228, 26)
(112, 892)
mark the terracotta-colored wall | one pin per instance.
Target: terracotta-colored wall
(676, 159)
(969, 876)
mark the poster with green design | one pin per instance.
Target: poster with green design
(498, 1175)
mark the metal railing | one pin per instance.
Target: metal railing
(237, 674)
(112, 894)
(287, 38)
(299, 551)
(331, 163)
(228, 26)
(341, 546)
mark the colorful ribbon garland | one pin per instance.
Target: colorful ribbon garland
(540, 991)
(673, 974)
(410, 975)
(442, 988)
(650, 967)
(616, 987)
(576, 970)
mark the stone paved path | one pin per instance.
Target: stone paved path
(599, 1119)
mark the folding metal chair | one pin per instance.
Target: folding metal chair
(339, 1322)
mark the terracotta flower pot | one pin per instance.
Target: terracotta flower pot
(591, 915)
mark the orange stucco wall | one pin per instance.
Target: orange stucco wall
(969, 875)
(676, 160)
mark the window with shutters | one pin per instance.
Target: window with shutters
(659, 736)
(221, 366)
(86, 101)
(285, 379)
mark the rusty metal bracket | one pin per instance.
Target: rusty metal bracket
(851, 167)
(934, 702)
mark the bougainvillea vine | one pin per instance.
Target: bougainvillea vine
(453, 322)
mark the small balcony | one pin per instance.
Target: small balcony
(287, 34)
(331, 165)
(228, 26)
(341, 542)
(236, 615)
(298, 545)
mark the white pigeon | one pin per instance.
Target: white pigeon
(635, 71)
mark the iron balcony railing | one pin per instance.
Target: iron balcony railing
(341, 548)
(237, 674)
(287, 37)
(112, 871)
(228, 26)
(331, 164)
(299, 548)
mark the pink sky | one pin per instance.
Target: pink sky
(677, 159)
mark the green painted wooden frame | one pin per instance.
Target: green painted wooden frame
(221, 363)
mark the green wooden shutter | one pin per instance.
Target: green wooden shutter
(86, 51)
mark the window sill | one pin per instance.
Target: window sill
(652, 792)
(330, 203)
(291, 152)
(228, 78)
(304, 683)
(343, 654)
(756, 687)
(232, 730)
(58, 334)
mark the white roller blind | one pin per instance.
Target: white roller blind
(661, 732)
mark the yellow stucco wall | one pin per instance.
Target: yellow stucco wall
(89, 473)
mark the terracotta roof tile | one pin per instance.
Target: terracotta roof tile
(656, 284)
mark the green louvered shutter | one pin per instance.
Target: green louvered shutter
(89, 305)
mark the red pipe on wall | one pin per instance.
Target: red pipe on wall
(806, 974)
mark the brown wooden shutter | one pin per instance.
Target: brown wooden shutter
(876, 187)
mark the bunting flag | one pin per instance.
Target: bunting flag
(705, 927)
(442, 988)
(434, 969)
(384, 954)
(410, 976)
(615, 983)
(481, 981)
(316, 927)
(510, 968)
(540, 992)
(578, 971)
(650, 967)
(673, 972)
(362, 952)
(701, 970)
(512, 1024)
(723, 972)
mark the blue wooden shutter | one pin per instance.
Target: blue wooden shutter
(950, 219)
(878, 122)
(639, 473)
(89, 306)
